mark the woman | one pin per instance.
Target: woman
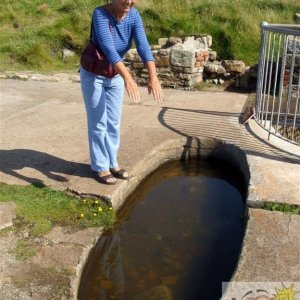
(115, 25)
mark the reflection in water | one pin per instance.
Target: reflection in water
(181, 234)
(107, 271)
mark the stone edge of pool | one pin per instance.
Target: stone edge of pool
(172, 149)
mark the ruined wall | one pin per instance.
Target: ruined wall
(184, 62)
(179, 61)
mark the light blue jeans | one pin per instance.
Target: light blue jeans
(103, 99)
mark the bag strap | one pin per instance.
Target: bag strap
(91, 29)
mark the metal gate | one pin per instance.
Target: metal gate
(277, 106)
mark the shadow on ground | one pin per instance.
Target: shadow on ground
(53, 167)
(223, 126)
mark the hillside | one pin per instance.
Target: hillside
(34, 32)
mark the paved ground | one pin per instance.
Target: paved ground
(43, 138)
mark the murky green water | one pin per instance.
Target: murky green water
(180, 233)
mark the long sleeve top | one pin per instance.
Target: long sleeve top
(115, 37)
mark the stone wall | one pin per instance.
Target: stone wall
(184, 62)
(179, 61)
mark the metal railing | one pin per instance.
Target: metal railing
(277, 107)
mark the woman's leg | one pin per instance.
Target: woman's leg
(95, 102)
(114, 99)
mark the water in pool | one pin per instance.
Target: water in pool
(179, 236)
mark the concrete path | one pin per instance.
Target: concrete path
(44, 139)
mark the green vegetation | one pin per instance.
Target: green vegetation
(34, 32)
(282, 207)
(25, 249)
(39, 208)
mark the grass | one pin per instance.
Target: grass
(25, 249)
(282, 207)
(33, 33)
(38, 209)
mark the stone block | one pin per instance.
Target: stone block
(198, 78)
(182, 57)
(177, 69)
(144, 75)
(156, 47)
(138, 65)
(204, 53)
(221, 70)
(212, 55)
(167, 77)
(142, 81)
(184, 76)
(127, 64)
(209, 40)
(234, 66)
(164, 52)
(199, 64)
(132, 55)
(173, 41)
(189, 39)
(214, 68)
(201, 43)
(23, 77)
(171, 84)
(199, 58)
(66, 54)
(164, 70)
(162, 41)
(162, 61)
(191, 70)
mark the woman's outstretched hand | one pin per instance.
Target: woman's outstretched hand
(155, 89)
(130, 85)
(154, 86)
(132, 89)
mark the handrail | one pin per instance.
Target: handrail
(278, 84)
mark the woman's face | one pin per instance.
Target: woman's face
(124, 5)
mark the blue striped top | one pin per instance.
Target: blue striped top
(115, 37)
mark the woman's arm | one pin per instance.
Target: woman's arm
(103, 34)
(140, 39)
(154, 86)
(106, 43)
(145, 53)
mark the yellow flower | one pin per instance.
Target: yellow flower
(84, 200)
(110, 208)
(81, 215)
(100, 209)
(96, 201)
(95, 214)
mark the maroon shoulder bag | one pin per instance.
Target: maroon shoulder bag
(95, 61)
